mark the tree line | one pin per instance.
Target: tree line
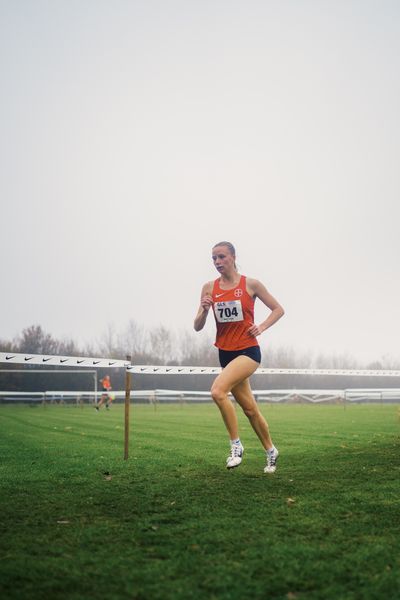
(161, 346)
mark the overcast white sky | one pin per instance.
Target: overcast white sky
(137, 134)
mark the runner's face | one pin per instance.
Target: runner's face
(223, 260)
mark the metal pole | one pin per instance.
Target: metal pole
(127, 406)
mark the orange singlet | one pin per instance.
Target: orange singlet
(234, 315)
(106, 383)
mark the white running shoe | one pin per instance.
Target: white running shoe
(235, 457)
(272, 458)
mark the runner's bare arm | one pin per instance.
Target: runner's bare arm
(205, 305)
(259, 290)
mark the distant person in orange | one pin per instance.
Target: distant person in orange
(232, 298)
(106, 397)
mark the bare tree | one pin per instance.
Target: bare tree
(33, 339)
(133, 339)
(6, 346)
(386, 362)
(197, 350)
(69, 348)
(281, 357)
(108, 344)
(336, 361)
(163, 346)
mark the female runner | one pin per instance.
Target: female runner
(232, 297)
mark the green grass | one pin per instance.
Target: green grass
(78, 522)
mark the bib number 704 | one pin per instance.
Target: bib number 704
(226, 312)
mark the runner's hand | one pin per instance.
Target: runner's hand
(255, 330)
(206, 302)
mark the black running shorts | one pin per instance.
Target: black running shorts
(226, 356)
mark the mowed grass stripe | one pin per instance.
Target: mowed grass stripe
(172, 522)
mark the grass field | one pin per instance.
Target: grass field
(79, 522)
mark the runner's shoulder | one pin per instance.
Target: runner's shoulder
(207, 288)
(253, 285)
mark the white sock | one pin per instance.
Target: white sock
(237, 442)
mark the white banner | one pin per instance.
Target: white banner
(83, 361)
(162, 370)
(60, 361)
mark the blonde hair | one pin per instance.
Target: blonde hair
(230, 247)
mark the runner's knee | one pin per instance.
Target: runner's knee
(251, 410)
(218, 394)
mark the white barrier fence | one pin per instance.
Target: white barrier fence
(181, 370)
(313, 396)
(60, 361)
(79, 361)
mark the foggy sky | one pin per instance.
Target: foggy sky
(136, 135)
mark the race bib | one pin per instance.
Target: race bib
(226, 312)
